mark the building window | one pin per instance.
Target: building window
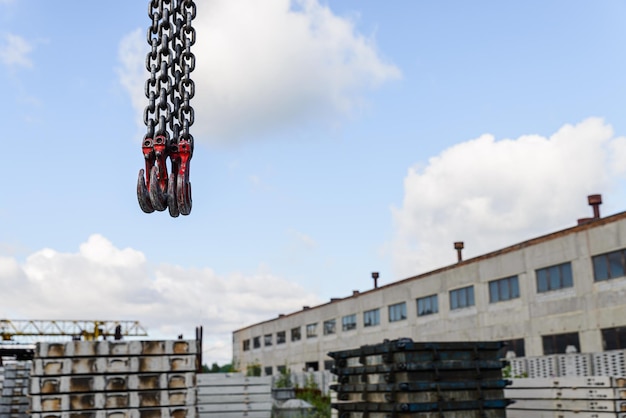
(267, 340)
(427, 305)
(295, 334)
(397, 312)
(462, 298)
(614, 338)
(256, 342)
(503, 289)
(348, 322)
(330, 327)
(371, 318)
(281, 337)
(268, 371)
(609, 265)
(329, 364)
(311, 366)
(281, 369)
(554, 277)
(560, 343)
(516, 346)
(311, 331)
(246, 345)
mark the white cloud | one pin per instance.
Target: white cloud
(263, 66)
(132, 74)
(14, 51)
(491, 194)
(101, 281)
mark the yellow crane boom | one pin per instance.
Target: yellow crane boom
(78, 329)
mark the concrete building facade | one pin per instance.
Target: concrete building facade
(558, 292)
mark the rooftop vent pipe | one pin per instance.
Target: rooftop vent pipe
(458, 246)
(595, 200)
(375, 277)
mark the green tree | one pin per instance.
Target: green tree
(216, 368)
(253, 369)
(312, 394)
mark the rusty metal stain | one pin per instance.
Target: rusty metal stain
(56, 350)
(144, 364)
(149, 399)
(116, 384)
(83, 365)
(117, 365)
(50, 386)
(85, 348)
(80, 402)
(178, 364)
(149, 381)
(150, 413)
(152, 347)
(117, 401)
(181, 347)
(177, 382)
(53, 367)
(81, 384)
(179, 413)
(177, 398)
(51, 405)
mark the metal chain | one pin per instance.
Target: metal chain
(159, 83)
(168, 115)
(186, 63)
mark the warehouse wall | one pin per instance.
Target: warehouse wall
(585, 308)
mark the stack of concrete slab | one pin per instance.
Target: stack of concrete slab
(609, 363)
(579, 364)
(606, 363)
(555, 365)
(403, 379)
(114, 379)
(518, 367)
(542, 367)
(567, 397)
(234, 395)
(14, 399)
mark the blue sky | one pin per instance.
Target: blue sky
(333, 139)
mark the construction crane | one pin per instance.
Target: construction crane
(168, 115)
(11, 329)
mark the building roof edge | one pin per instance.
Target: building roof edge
(590, 224)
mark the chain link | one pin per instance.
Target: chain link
(168, 115)
(169, 89)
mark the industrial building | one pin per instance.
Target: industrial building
(565, 291)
